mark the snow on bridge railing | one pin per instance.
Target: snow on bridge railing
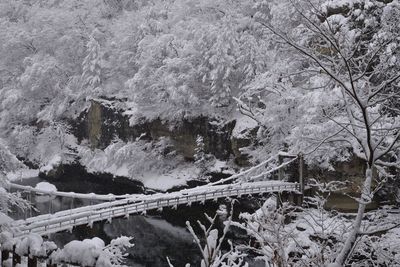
(112, 197)
(66, 220)
(258, 166)
(120, 205)
(88, 196)
(184, 192)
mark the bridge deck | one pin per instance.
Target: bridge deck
(66, 220)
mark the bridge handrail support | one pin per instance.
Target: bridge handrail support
(88, 196)
(301, 172)
(62, 220)
(298, 198)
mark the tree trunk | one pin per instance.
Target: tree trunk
(351, 239)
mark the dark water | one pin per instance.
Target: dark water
(156, 236)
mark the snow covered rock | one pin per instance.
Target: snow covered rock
(46, 187)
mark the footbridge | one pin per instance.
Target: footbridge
(67, 219)
(249, 182)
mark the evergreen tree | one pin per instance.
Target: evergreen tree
(91, 65)
(200, 157)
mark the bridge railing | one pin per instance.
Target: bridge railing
(242, 176)
(88, 196)
(66, 220)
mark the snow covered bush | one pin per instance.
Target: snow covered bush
(8, 163)
(84, 253)
(93, 252)
(378, 249)
(7, 241)
(33, 245)
(281, 237)
(113, 254)
(271, 239)
(212, 253)
(312, 236)
(131, 159)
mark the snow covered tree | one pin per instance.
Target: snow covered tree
(201, 159)
(266, 228)
(92, 65)
(211, 252)
(348, 52)
(192, 58)
(287, 235)
(8, 162)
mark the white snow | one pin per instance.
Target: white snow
(6, 240)
(221, 167)
(31, 244)
(45, 186)
(163, 182)
(22, 174)
(93, 252)
(53, 162)
(156, 180)
(141, 161)
(8, 263)
(83, 252)
(4, 219)
(243, 123)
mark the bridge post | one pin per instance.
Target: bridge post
(278, 200)
(32, 262)
(29, 198)
(5, 255)
(301, 172)
(16, 259)
(299, 198)
(51, 205)
(280, 170)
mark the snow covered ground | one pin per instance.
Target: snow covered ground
(243, 123)
(174, 178)
(156, 180)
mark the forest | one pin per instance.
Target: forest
(289, 109)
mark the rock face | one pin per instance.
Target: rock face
(103, 122)
(73, 177)
(243, 140)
